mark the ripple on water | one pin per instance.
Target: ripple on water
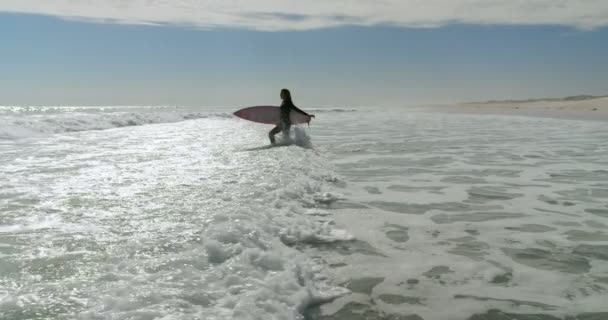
(399, 299)
(567, 223)
(598, 212)
(363, 285)
(474, 217)
(486, 194)
(577, 176)
(592, 251)
(463, 180)
(437, 272)
(583, 194)
(512, 301)
(533, 228)
(360, 311)
(580, 235)
(469, 247)
(397, 233)
(500, 315)
(414, 208)
(399, 207)
(549, 260)
(409, 162)
(596, 224)
(503, 173)
(411, 189)
(380, 174)
(350, 247)
(372, 190)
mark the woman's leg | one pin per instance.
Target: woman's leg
(285, 129)
(274, 131)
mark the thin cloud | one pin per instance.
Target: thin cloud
(275, 15)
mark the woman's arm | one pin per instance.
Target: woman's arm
(301, 111)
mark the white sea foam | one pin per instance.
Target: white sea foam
(471, 212)
(413, 212)
(169, 221)
(20, 122)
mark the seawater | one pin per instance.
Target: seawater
(184, 213)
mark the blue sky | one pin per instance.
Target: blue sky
(48, 60)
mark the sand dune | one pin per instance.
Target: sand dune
(594, 108)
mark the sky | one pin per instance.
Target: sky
(329, 53)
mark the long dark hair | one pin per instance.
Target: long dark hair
(285, 93)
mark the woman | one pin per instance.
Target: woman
(285, 123)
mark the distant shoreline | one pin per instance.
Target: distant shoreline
(569, 98)
(583, 107)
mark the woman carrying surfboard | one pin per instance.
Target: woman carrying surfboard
(285, 123)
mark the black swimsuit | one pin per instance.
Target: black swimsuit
(286, 107)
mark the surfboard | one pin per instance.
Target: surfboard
(269, 115)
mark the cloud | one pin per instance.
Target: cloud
(274, 15)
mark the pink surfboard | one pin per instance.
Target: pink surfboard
(270, 115)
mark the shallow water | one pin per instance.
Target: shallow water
(184, 213)
(472, 213)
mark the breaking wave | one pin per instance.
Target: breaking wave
(319, 110)
(16, 125)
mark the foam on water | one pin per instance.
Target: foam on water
(417, 216)
(21, 122)
(161, 221)
(462, 214)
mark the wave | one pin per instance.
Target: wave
(20, 125)
(319, 110)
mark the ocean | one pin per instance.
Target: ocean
(368, 213)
